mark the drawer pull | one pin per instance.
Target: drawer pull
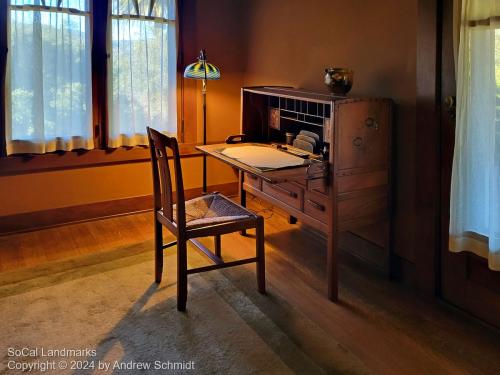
(358, 141)
(283, 190)
(371, 123)
(252, 177)
(316, 205)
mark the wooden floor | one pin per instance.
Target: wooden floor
(385, 324)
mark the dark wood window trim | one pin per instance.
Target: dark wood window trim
(484, 22)
(25, 164)
(99, 60)
(3, 71)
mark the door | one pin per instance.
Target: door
(466, 280)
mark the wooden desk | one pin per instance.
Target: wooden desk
(350, 190)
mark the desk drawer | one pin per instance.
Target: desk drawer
(290, 194)
(317, 206)
(302, 183)
(253, 181)
(319, 185)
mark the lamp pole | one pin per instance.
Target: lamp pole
(204, 96)
(204, 71)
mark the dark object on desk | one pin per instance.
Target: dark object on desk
(339, 80)
(237, 138)
(209, 215)
(293, 151)
(289, 138)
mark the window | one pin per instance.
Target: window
(48, 79)
(55, 98)
(142, 71)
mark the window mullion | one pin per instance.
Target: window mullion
(99, 71)
(151, 6)
(3, 67)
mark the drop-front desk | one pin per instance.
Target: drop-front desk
(348, 188)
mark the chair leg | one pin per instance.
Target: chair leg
(181, 274)
(243, 198)
(158, 251)
(217, 245)
(261, 258)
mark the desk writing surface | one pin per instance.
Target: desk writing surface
(310, 169)
(263, 157)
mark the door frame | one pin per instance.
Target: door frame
(428, 146)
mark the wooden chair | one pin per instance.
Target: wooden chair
(209, 215)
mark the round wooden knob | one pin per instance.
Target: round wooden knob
(358, 141)
(371, 123)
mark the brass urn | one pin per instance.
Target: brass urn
(339, 80)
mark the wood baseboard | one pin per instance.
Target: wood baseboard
(30, 221)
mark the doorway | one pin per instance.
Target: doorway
(464, 279)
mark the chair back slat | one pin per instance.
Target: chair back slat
(159, 145)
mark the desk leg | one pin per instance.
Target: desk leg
(243, 197)
(331, 263)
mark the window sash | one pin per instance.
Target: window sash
(51, 9)
(126, 125)
(49, 133)
(143, 18)
(100, 54)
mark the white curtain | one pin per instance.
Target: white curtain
(48, 82)
(475, 188)
(142, 72)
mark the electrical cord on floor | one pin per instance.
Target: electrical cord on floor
(267, 209)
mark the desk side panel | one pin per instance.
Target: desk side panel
(362, 173)
(254, 116)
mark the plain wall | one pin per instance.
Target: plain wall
(291, 42)
(72, 187)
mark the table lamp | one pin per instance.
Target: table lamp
(203, 70)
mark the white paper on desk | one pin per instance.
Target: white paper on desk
(262, 157)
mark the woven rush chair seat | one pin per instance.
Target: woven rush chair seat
(213, 209)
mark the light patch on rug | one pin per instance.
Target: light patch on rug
(108, 303)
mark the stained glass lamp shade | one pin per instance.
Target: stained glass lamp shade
(203, 70)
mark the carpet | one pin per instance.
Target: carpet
(102, 313)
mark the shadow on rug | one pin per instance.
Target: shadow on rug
(106, 313)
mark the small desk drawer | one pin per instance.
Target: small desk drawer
(302, 183)
(287, 193)
(319, 185)
(317, 206)
(253, 181)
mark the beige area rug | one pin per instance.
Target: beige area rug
(108, 305)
